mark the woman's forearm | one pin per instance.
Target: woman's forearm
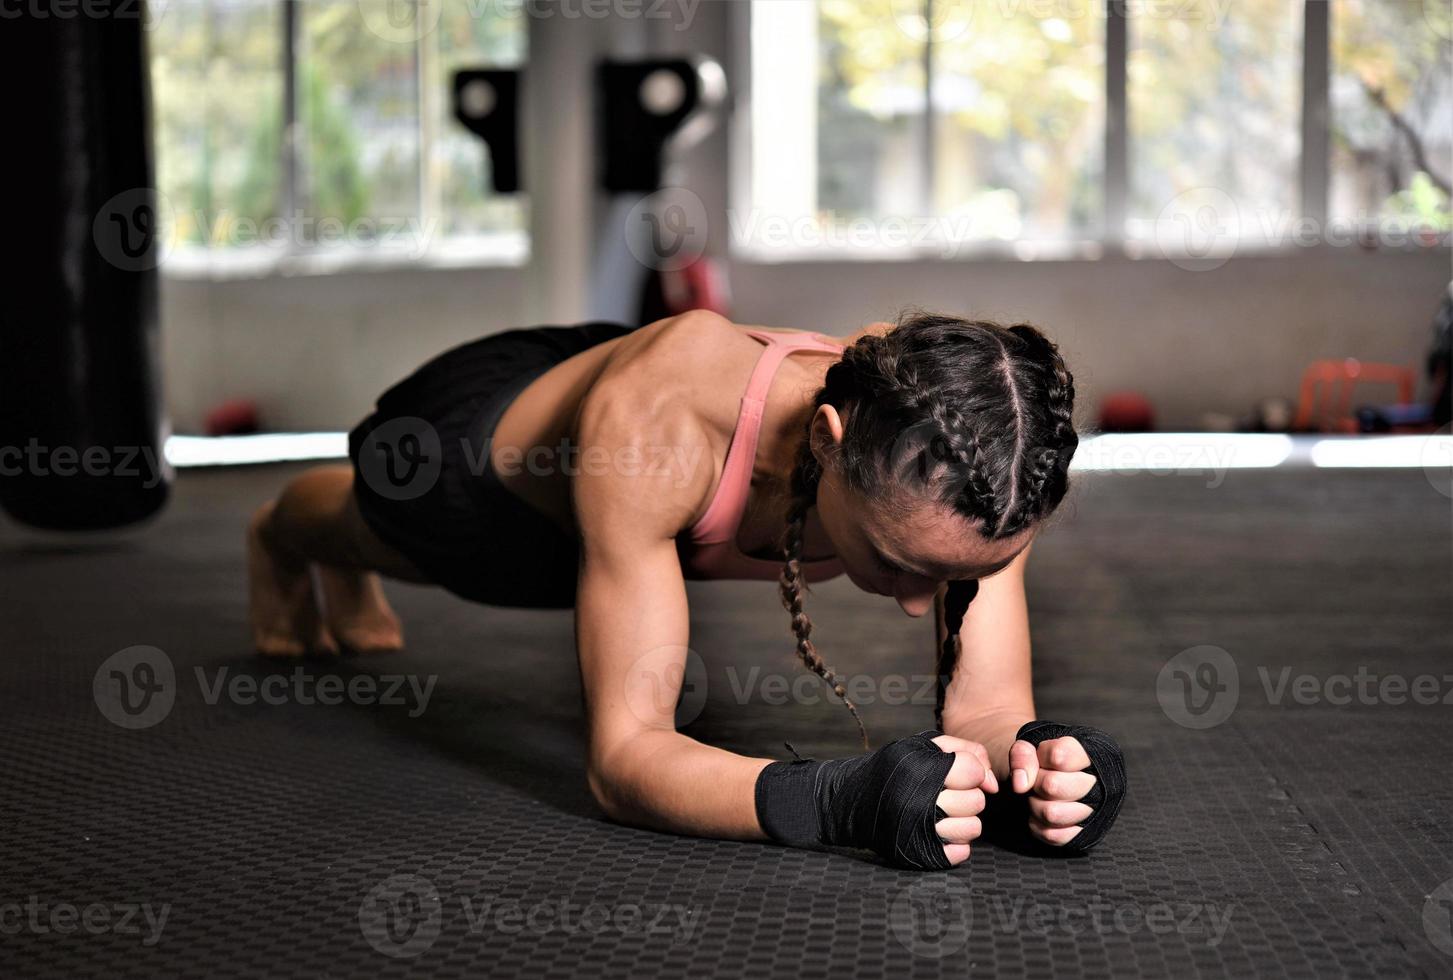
(665, 780)
(991, 694)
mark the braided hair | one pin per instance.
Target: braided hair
(965, 413)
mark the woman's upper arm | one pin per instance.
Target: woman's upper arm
(632, 623)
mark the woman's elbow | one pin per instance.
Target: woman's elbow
(605, 789)
(618, 771)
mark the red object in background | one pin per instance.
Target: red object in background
(1126, 411)
(237, 417)
(701, 285)
(1325, 402)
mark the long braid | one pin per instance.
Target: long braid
(977, 498)
(955, 606)
(805, 477)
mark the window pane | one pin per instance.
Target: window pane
(358, 109)
(1020, 99)
(217, 86)
(1215, 112)
(1392, 113)
(848, 156)
(870, 107)
(472, 36)
(784, 85)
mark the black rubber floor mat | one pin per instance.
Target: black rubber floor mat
(441, 827)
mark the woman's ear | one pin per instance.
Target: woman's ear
(825, 432)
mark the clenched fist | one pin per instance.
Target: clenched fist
(1073, 777)
(962, 798)
(1054, 776)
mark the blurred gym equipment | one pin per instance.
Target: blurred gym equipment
(80, 391)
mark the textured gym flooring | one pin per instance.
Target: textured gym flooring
(1267, 831)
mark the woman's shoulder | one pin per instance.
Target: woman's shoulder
(682, 356)
(697, 335)
(702, 331)
(679, 373)
(664, 397)
(702, 358)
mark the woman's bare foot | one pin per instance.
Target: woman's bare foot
(357, 613)
(282, 604)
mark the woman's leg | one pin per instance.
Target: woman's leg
(313, 567)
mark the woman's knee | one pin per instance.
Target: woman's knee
(307, 514)
(317, 517)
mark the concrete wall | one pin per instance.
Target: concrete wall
(1193, 342)
(314, 351)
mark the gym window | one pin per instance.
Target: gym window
(1058, 127)
(308, 135)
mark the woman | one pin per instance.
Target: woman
(598, 467)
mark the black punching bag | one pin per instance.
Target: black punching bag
(81, 424)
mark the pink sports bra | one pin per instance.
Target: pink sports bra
(709, 549)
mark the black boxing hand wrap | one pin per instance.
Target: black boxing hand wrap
(885, 801)
(1107, 765)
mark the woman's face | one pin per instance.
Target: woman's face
(909, 550)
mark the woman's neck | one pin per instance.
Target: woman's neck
(784, 427)
(785, 420)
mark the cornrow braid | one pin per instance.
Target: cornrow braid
(962, 441)
(1041, 468)
(1060, 390)
(1047, 464)
(791, 584)
(874, 370)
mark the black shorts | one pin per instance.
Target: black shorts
(424, 485)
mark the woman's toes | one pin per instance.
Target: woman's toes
(369, 638)
(358, 613)
(282, 608)
(323, 644)
(277, 645)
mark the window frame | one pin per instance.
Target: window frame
(492, 250)
(1312, 198)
